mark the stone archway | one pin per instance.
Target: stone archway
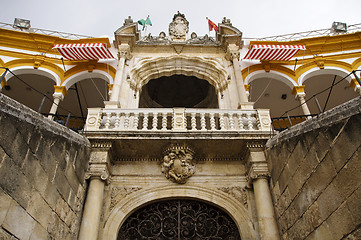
(179, 219)
(135, 201)
(208, 69)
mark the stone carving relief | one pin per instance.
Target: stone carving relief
(178, 28)
(118, 193)
(128, 21)
(178, 163)
(238, 193)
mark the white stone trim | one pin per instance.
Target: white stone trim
(30, 70)
(272, 74)
(85, 75)
(327, 70)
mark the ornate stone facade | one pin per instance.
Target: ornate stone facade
(208, 152)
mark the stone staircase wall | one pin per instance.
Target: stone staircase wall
(316, 176)
(42, 166)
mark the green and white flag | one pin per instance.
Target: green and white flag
(144, 23)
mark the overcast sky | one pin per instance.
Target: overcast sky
(255, 18)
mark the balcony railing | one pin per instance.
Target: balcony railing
(177, 119)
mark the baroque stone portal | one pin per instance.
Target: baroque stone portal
(178, 163)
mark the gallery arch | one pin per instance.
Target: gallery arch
(342, 92)
(28, 87)
(272, 90)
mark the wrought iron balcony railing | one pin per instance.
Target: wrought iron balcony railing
(177, 119)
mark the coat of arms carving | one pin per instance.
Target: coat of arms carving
(178, 163)
(178, 28)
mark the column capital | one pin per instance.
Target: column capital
(232, 52)
(256, 163)
(355, 86)
(124, 51)
(299, 90)
(99, 162)
(58, 95)
(59, 92)
(98, 170)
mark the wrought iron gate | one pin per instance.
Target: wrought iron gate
(179, 219)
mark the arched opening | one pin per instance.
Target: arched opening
(179, 219)
(271, 93)
(178, 91)
(131, 203)
(341, 93)
(29, 89)
(84, 94)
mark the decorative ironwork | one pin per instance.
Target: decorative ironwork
(179, 219)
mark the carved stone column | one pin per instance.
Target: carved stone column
(299, 92)
(258, 175)
(123, 54)
(234, 56)
(98, 173)
(59, 93)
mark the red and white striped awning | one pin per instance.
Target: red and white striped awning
(84, 51)
(273, 52)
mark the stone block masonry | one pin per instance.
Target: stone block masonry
(316, 176)
(42, 167)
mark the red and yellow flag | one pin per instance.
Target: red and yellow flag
(212, 25)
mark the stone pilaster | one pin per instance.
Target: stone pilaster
(258, 175)
(123, 55)
(233, 54)
(299, 92)
(59, 93)
(99, 173)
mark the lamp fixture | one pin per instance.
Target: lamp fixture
(21, 23)
(339, 27)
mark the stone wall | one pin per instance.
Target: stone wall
(42, 167)
(316, 176)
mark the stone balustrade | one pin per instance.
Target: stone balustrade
(177, 119)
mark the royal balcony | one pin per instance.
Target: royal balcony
(178, 120)
(144, 132)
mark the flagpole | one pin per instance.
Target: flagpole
(209, 32)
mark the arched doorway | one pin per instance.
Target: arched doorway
(137, 200)
(179, 219)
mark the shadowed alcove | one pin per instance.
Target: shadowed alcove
(178, 91)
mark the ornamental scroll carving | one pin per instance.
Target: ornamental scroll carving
(178, 164)
(118, 193)
(238, 193)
